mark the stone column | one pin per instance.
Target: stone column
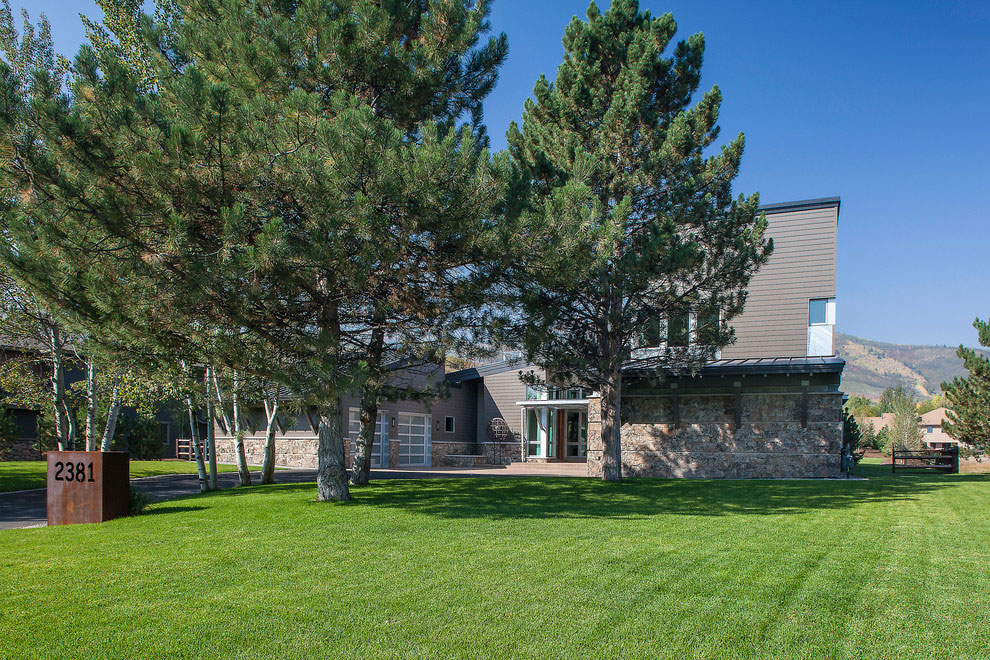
(595, 446)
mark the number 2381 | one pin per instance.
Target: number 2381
(73, 471)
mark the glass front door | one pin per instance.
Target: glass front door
(576, 435)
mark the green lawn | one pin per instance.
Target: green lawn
(518, 568)
(22, 475)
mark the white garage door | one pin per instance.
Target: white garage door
(379, 449)
(414, 439)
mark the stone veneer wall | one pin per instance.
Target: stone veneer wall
(23, 450)
(770, 443)
(300, 451)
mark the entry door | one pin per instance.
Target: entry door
(576, 436)
(414, 439)
(379, 448)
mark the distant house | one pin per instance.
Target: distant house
(931, 427)
(768, 406)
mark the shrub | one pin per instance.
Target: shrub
(10, 431)
(139, 435)
(137, 502)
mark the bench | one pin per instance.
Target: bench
(942, 460)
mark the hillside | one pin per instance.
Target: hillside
(872, 366)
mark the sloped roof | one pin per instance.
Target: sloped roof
(934, 417)
(482, 370)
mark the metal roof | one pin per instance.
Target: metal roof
(801, 205)
(482, 370)
(743, 366)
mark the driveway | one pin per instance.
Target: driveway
(27, 508)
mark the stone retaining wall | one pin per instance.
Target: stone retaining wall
(301, 451)
(771, 441)
(23, 450)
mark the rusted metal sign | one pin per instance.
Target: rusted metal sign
(87, 486)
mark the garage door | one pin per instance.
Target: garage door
(379, 449)
(414, 439)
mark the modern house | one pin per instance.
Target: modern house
(768, 406)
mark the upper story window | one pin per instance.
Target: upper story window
(699, 327)
(821, 325)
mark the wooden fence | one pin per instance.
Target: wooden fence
(943, 460)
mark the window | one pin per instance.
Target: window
(532, 433)
(709, 327)
(448, 424)
(817, 311)
(680, 330)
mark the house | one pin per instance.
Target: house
(28, 445)
(768, 406)
(931, 428)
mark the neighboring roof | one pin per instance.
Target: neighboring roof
(482, 370)
(760, 366)
(934, 417)
(879, 423)
(801, 205)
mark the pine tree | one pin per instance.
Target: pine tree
(628, 224)
(968, 399)
(242, 197)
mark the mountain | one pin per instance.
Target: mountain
(872, 366)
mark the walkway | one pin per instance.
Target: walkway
(27, 508)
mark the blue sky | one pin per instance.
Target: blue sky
(881, 103)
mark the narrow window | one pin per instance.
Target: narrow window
(709, 327)
(817, 311)
(680, 330)
(448, 424)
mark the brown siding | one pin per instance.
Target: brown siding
(775, 320)
(498, 399)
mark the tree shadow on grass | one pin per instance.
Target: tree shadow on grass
(642, 498)
(554, 497)
(166, 507)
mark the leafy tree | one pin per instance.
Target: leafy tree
(893, 399)
(928, 405)
(628, 226)
(10, 431)
(860, 406)
(968, 399)
(242, 199)
(868, 437)
(904, 430)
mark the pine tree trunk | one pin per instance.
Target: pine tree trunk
(331, 479)
(91, 406)
(243, 474)
(268, 465)
(369, 405)
(366, 436)
(112, 414)
(197, 450)
(211, 431)
(610, 402)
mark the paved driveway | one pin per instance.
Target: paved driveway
(27, 508)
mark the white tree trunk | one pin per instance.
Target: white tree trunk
(112, 415)
(58, 388)
(331, 479)
(194, 439)
(211, 431)
(91, 406)
(244, 475)
(268, 466)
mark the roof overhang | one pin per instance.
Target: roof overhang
(743, 367)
